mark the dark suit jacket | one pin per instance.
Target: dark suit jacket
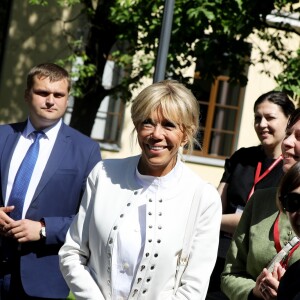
(56, 200)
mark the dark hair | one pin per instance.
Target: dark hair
(289, 182)
(279, 98)
(48, 70)
(294, 118)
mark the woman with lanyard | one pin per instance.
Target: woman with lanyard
(256, 167)
(262, 233)
(252, 168)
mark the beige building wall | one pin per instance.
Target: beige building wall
(36, 34)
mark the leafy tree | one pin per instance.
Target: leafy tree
(289, 80)
(211, 33)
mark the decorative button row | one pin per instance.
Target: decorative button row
(135, 291)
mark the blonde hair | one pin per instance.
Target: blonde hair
(176, 103)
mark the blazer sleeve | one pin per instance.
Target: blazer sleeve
(94, 158)
(195, 279)
(75, 253)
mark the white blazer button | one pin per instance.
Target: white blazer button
(125, 266)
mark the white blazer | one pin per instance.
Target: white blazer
(85, 258)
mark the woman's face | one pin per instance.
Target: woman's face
(291, 146)
(270, 123)
(294, 217)
(159, 140)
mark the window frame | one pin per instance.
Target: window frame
(108, 115)
(208, 129)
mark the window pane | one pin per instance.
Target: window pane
(201, 90)
(224, 119)
(219, 115)
(221, 144)
(203, 115)
(200, 140)
(228, 93)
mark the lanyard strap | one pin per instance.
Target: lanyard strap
(259, 177)
(277, 245)
(276, 234)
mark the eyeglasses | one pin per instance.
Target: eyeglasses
(290, 202)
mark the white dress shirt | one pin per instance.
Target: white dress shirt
(46, 145)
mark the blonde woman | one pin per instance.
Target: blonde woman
(128, 236)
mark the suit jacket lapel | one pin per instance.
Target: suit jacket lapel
(60, 148)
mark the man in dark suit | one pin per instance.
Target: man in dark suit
(29, 267)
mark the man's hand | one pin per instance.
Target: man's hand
(23, 230)
(4, 218)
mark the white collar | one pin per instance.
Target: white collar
(50, 132)
(153, 183)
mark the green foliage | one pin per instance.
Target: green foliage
(59, 2)
(289, 81)
(212, 34)
(70, 296)
(68, 2)
(39, 2)
(80, 69)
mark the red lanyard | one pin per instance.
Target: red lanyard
(276, 235)
(259, 177)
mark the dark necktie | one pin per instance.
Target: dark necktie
(23, 176)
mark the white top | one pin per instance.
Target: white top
(46, 145)
(109, 200)
(129, 246)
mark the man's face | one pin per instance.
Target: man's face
(47, 101)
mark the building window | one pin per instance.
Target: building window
(220, 109)
(108, 124)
